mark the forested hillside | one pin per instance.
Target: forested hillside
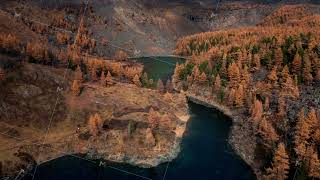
(268, 76)
(58, 95)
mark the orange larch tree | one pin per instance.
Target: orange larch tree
(307, 76)
(9, 42)
(314, 165)
(289, 88)
(217, 84)
(136, 81)
(95, 124)
(196, 73)
(316, 135)
(121, 55)
(76, 88)
(278, 57)
(256, 60)
(273, 75)
(116, 69)
(234, 75)
(177, 71)
(153, 118)
(285, 74)
(202, 78)
(280, 164)
(312, 119)
(267, 132)
(256, 112)
(223, 70)
(296, 64)
(302, 134)
(266, 104)
(189, 80)
(239, 96)
(245, 75)
(281, 107)
(78, 74)
(108, 79)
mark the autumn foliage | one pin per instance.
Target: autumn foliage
(82, 39)
(121, 55)
(38, 52)
(63, 38)
(153, 118)
(95, 124)
(137, 81)
(76, 88)
(9, 42)
(262, 73)
(280, 164)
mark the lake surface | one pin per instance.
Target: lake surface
(205, 153)
(159, 67)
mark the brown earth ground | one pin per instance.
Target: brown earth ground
(35, 130)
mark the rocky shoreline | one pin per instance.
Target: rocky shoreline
(96, 151)
(238, 138)
(237, 146)
(152, 161)
(173, 153)
(133, 160)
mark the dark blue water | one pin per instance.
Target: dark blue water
(205, 153)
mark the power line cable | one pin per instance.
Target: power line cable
(165, 173)
(58, 94)
(86, 159)
(111, 44)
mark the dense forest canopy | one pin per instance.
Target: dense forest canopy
(269, 75)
